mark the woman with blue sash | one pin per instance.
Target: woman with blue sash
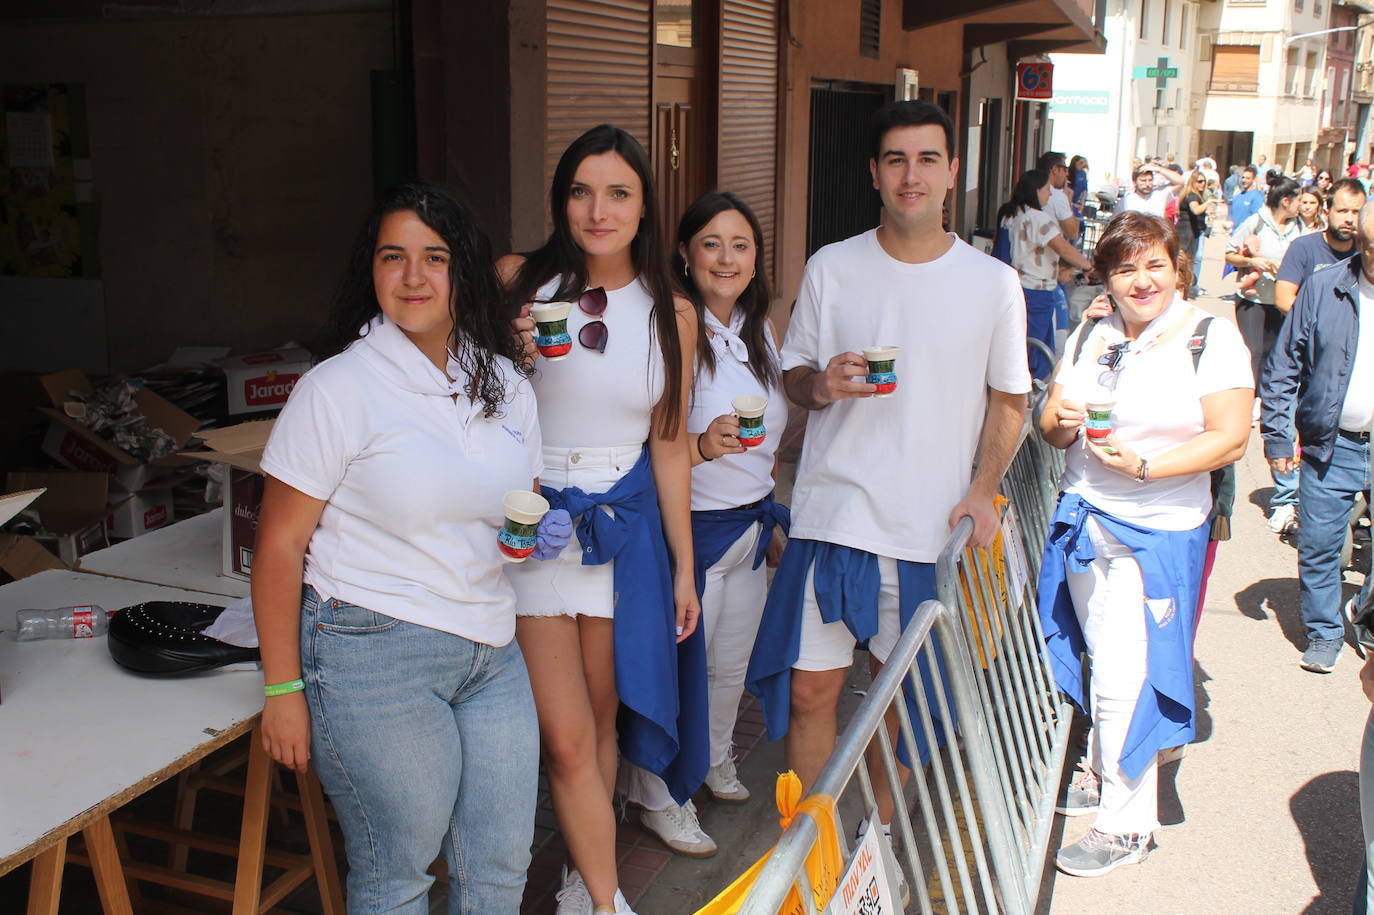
(606, 627)
(1155, 397)
(735, 521)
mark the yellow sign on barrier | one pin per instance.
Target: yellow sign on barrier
(824, 863)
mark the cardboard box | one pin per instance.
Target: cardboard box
(239, 448)
(73, 445)
(259, 382)
(22, 556)
(136, 514)
(73, 510)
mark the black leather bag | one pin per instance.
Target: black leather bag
(165, 638)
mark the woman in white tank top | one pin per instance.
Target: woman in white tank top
(734, 519)
(613, 418)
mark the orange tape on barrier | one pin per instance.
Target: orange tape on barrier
(824, 863)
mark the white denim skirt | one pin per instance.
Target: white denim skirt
(564, 586)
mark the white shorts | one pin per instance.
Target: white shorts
(564, 586)
(830, 646)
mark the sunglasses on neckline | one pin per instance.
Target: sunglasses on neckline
(593, 334)
(1112, 360)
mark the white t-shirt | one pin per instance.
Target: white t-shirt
(412, 481)
(1358, 408)
(1274, 241)
(882, 474)
(734, 479)
(1031, 232)
(1158, 407)
(1153, 204)
(1058, 205)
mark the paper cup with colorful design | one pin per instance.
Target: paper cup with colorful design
(749, 410)
(882, 368)
(551, 329)
(518, 536)
(1098, 424)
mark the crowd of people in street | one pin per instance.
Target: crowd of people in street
(425, 645)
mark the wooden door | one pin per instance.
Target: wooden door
(682, 152)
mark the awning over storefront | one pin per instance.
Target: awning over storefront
(1030, 26)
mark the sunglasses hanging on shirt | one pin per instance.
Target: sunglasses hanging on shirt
(1112, 360)
(593, 334)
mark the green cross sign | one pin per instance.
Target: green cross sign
(1161, 72)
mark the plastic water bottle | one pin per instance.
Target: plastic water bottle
(83, 621)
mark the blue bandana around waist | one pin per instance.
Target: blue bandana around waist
(1171, 568)
(846, 581)
(715, 531)
(663, 722)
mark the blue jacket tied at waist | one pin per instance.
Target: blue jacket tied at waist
(846, 581)
(1171, 567)
(714, 532)
(663, 721)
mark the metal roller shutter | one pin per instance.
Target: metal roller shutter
(598, 70)
(748, 112)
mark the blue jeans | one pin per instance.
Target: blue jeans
(1041, 305)
(1061, 308)
(1326, 496)
(1364, 889)
(426, 743)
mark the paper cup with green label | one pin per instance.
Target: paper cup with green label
(749, 410)
(882, 368)
(1098, 424)
(551, 329)
(519, 535)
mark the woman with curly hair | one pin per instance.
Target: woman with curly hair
(393, 664)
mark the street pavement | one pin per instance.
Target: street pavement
(1262, 816)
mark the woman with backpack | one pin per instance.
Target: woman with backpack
(1149, 402)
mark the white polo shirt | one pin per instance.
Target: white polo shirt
(412, 478)
(883, 474)
(1158, 400)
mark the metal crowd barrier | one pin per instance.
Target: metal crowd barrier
(973, 825)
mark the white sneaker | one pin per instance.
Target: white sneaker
(679, 829)
(725, 784)
(1282, 518)
(573, 898)
(622, 907)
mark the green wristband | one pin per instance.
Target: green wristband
(281, 689)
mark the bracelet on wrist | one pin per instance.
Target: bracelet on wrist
(1142, 471)
(699, 451)
(281, 689)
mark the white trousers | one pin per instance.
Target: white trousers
(1109, 599)
(731, 607)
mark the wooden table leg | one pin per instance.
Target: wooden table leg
(109, 872)
(45, 880)
(321, 844)
(257, 797)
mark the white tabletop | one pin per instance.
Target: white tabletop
(181, 555)
(78, 732)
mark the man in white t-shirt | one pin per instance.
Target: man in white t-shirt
(882, 481)
(1052, 164)
(1145, 197)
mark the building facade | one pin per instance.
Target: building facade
(766, 98)
(1144, 88)
(1265, 74)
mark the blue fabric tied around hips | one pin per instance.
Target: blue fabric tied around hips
(1171, 565)
(663, 721)
(552, 339)
(882, 377)
(846, 581)
(515, 541)
(714, 532)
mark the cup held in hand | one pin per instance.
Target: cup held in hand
(882, 368)
(1098, 425)
(749, 410)
(519, 535)
(551, 329)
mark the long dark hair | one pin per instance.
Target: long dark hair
(753, 300)
(561, 256)
(481, 322)
(1026, 194)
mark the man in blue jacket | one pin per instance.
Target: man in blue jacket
(1319, 377)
